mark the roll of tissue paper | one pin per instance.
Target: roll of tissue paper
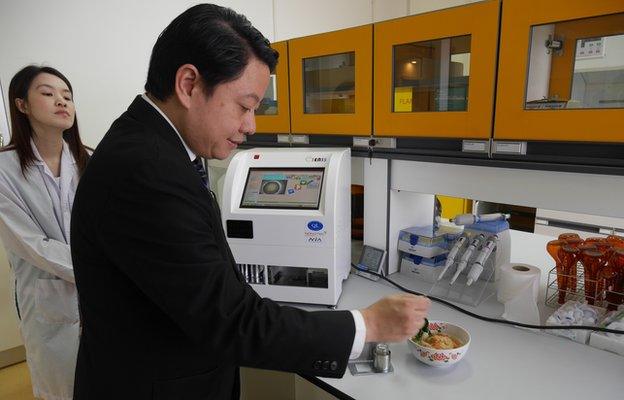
(518, 289)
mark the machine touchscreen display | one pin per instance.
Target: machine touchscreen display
(283, 188)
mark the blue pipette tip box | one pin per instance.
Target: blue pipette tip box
(489, 226)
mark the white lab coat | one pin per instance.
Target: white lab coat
(34, 227)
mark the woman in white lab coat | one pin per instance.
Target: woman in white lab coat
(39, 171)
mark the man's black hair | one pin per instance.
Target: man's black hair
(218, 41)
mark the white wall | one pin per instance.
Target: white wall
(103, 47)
(296, 18)
(421, 6)
(9, 333)
(4, 122)
(389, 9)
(357, 170)
(539, 63)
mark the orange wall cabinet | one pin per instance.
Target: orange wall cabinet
(273, 115)
(435, 73)
(330, 82)
(561, 71)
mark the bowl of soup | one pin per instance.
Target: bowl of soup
(444, 345)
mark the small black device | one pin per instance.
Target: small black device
(371, 259)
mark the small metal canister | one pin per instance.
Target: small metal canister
(381, 358)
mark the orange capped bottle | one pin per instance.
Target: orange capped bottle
(593, 261)
(568, 256)
(553, 247)
(612, 277)
(570, 235)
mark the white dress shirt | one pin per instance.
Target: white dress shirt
(190, 152)
(358, 319)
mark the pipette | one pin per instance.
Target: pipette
(484, 254)
(450, 259)
(466, 256)
(469, 219)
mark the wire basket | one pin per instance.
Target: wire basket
(602, 296)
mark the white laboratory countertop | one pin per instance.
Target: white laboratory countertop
(503, 362)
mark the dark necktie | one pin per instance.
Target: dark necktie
(201, 171)
(199, 166)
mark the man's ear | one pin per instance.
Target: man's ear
(187, 80)
(21, 106)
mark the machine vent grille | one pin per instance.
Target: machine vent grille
(253, 273)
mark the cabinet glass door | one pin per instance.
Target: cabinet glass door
(434, 73)
(331, 82)
(565, 59)
(273, 114)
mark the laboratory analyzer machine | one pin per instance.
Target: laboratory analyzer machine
(287, 217)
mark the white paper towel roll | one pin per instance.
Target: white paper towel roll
(518, 289)
(515, 278)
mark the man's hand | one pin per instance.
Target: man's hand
(395, 318)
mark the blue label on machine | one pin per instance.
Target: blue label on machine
(315, 225)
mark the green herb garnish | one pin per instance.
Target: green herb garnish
(424, 329)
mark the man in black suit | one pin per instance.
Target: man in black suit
(165, 313)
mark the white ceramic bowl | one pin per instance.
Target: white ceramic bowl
(442, 358)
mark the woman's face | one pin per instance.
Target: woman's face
(49, 103)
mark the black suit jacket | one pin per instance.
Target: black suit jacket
(165, 313)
